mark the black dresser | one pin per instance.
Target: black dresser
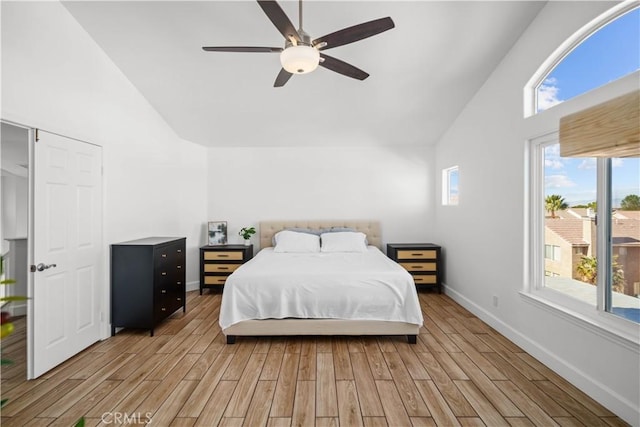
(147, 281)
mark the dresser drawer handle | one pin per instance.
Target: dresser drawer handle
(179, 251)
(223, 268)
(163, 255)
(223, 255)
(418, 254)
(164, 291)
(178, 283)
(179, 267)
(179, 299)
(164, 273)
(163, 309)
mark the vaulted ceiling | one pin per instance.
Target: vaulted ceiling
(423, 71)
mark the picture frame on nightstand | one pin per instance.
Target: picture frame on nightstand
(216, 233)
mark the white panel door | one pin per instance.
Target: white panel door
(67, 250)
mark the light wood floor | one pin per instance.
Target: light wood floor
(461, 372)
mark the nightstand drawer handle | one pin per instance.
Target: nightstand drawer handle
(164, 273)
(164, 291)
(179, 267)
(163, 309)
(179, 251)
(178, 283)
(179, 299)
(163, 255)
(223, 255)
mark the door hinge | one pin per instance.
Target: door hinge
(37, 135)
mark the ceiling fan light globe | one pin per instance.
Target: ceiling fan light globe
(300, 59)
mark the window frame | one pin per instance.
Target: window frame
(595, 317)
(543, 127)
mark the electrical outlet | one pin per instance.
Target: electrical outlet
(495, 300)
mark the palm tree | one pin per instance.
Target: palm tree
(554, 203)
(587, 268)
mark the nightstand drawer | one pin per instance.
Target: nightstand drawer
(417, 254)
(425, 279)
(215, 280)
(220, 268)
(219, 255)
(419, 266)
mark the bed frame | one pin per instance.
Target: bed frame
(280, 327)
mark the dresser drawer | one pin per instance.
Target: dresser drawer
(425, 279)
(418, 254)
(220, 268)
(419, 266)
(214, 280)
(220, 255)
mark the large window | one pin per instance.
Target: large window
(585, 212)
(567, 206)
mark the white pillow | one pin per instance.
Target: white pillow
(343, 241)
(292, 241)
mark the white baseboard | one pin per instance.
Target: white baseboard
(193, 286)
(617, 404)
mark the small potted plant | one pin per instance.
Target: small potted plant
(246, 233)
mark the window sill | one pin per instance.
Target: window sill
(611, 327)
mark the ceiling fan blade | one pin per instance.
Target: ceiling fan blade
(283, 77)
(275, 13)
(342, 67)
(355, 33)
(241, 49)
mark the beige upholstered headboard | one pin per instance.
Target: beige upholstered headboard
(370, 228)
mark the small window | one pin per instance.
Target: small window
(450, 186)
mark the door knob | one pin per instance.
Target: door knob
(42, 267)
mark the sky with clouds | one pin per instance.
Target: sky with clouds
(609, 54)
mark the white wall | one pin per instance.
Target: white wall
(55, 77)
(484, 237)
(391, 184)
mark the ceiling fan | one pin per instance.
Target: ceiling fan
(302, 55)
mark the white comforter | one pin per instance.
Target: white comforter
(358, 286)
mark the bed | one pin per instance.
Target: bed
(359, 293)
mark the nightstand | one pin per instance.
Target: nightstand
(218, 262)
(422, 260)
